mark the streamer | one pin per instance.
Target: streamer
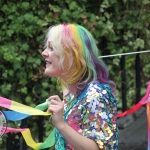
(20, 111)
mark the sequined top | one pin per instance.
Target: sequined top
(91, 115)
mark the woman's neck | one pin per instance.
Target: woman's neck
(70, 89)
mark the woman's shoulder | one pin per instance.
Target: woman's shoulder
(100, 90)
(95, 85)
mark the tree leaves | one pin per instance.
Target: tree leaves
(117, 26)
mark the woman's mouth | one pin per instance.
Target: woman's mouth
(48, 63)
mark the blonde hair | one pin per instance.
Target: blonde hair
(79, 55)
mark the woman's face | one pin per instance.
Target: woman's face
(53, 68)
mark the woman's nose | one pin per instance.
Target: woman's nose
(44, 53)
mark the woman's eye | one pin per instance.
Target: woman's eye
(49, 46)
(51, 49)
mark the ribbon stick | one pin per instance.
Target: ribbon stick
(49, 142)
(15, 116)
(20, 111)
(148, 119)
(143, 101)
(14, 130)
(12, 105)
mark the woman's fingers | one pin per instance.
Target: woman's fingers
(55, 97)
(54, 108)
(56, 104)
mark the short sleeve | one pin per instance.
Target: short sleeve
(98, 123)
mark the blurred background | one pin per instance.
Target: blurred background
(118, 26)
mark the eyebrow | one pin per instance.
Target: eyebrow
(49, 44)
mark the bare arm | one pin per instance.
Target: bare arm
(77, 141)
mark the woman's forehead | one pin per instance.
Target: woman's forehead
(49, 40)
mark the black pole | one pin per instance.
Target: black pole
(23, 145)
(41, 128)
(123, 82)
(138, 78)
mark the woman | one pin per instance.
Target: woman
(84, 119)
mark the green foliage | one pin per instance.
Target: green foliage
(118, 26)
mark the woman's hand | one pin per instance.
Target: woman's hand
(57, 107)
(77, 141)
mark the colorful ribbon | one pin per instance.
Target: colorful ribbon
(20, 111)
(148, 115)
(143, 101)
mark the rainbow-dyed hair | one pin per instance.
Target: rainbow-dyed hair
(79, 55)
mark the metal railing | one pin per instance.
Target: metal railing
(19, 144)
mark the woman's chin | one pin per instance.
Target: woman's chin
(53, 73)
(48, 73)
